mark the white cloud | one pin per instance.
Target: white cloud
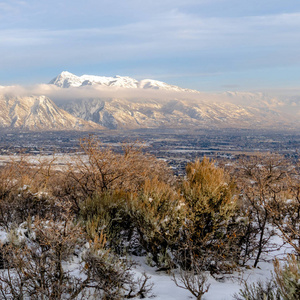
(69, 94)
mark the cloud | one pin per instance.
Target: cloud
(74, 93)
(63, 95)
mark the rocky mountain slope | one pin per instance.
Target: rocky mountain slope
(122, 113)
(38, 113)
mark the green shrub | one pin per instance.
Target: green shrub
(158, 214)
(258, 291)
(288, 278)
(209, 234)
(108, 212)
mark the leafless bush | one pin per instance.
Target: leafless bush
(26, 190)
(286, 215)
(110, 277)
(35, 265)
(262, 181)
(196, 284)
(101, 169)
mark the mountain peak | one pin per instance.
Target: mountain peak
(67, 79)
(66, 74)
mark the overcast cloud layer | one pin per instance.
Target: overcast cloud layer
(209, 45)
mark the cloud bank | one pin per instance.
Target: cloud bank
(61, 95)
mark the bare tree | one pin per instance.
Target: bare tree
(262, 182)
(286, 214)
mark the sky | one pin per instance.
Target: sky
(208, 45)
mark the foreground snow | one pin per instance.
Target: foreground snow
(224, 288)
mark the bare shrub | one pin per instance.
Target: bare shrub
(286, 215)
(25, 190)
(109, 276)
(101, 169)
(262, 181)
(35, 265)
(196, 284)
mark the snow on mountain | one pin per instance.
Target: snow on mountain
(67, 79)
(115, 108)
(159, 85)
(38, 113)
(185, 109)
(127, 114)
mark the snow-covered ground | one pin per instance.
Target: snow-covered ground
(164, 287)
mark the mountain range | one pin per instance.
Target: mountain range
(67, 79)
(134, 104)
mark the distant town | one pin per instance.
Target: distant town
(176, 146)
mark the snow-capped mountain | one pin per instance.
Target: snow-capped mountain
(124, 113)
(124, 103)
(38, 113)
(67, 79)
(235, 109)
